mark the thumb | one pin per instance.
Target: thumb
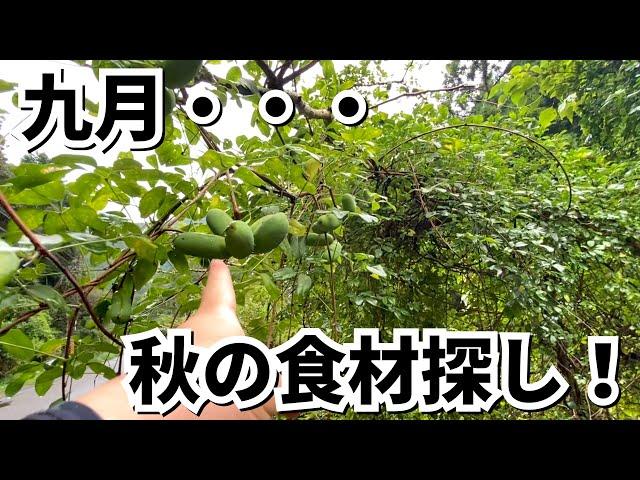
(219, 293)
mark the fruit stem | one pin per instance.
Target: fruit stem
(334, 326)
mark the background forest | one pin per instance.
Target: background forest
(506, 200)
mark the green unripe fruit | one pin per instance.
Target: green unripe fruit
(326, 202)
(169, 101)
(178, 73)
(239, 239)
(120, 308)
(218, 221)
(319, 240)
(269, 231)
(349, 202)
(201, 245)
(326, 223)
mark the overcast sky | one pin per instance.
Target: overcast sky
(235, 121)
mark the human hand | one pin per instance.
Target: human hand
(214, 320)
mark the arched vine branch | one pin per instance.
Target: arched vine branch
(500, 129)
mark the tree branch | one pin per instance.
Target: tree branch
(299, 72)
(308, 111)
(282, 191)
(23, 318)
(272, 80)
(303, 108)
(424, 92)
(46, 253)
(283, 69)
(67, 350)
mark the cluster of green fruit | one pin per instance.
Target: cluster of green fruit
(177, 74)
(234, 238)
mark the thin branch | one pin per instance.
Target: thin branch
(280, 189)
(201, 193)
(272, 80)
(306, 110)
(22, 318)
(67, 350)
(234, 203)
(299, 72)
(334, 317)
(45, 253)
(283, 69)
(424, 92)
(302, 107)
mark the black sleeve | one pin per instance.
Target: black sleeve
(66, 411)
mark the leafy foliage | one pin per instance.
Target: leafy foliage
(465, 220)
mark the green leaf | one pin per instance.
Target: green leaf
(179, 261)
(377, 271)
(303, 285)
(103, 370)
(40, 195)
(547, 116)
(30, 175)
(143, 272)
(9, 264)
(15, 386)
(45, 380)
(151, 201)
(368, 218)
(234, 74)
(7, 86)
(285, 273)
(53, 346)
(296, 228)
(269, 284)
(16, 343)
(45, 294)
(143, 247)
(102, 347)
(22, 374)
(69, 160)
